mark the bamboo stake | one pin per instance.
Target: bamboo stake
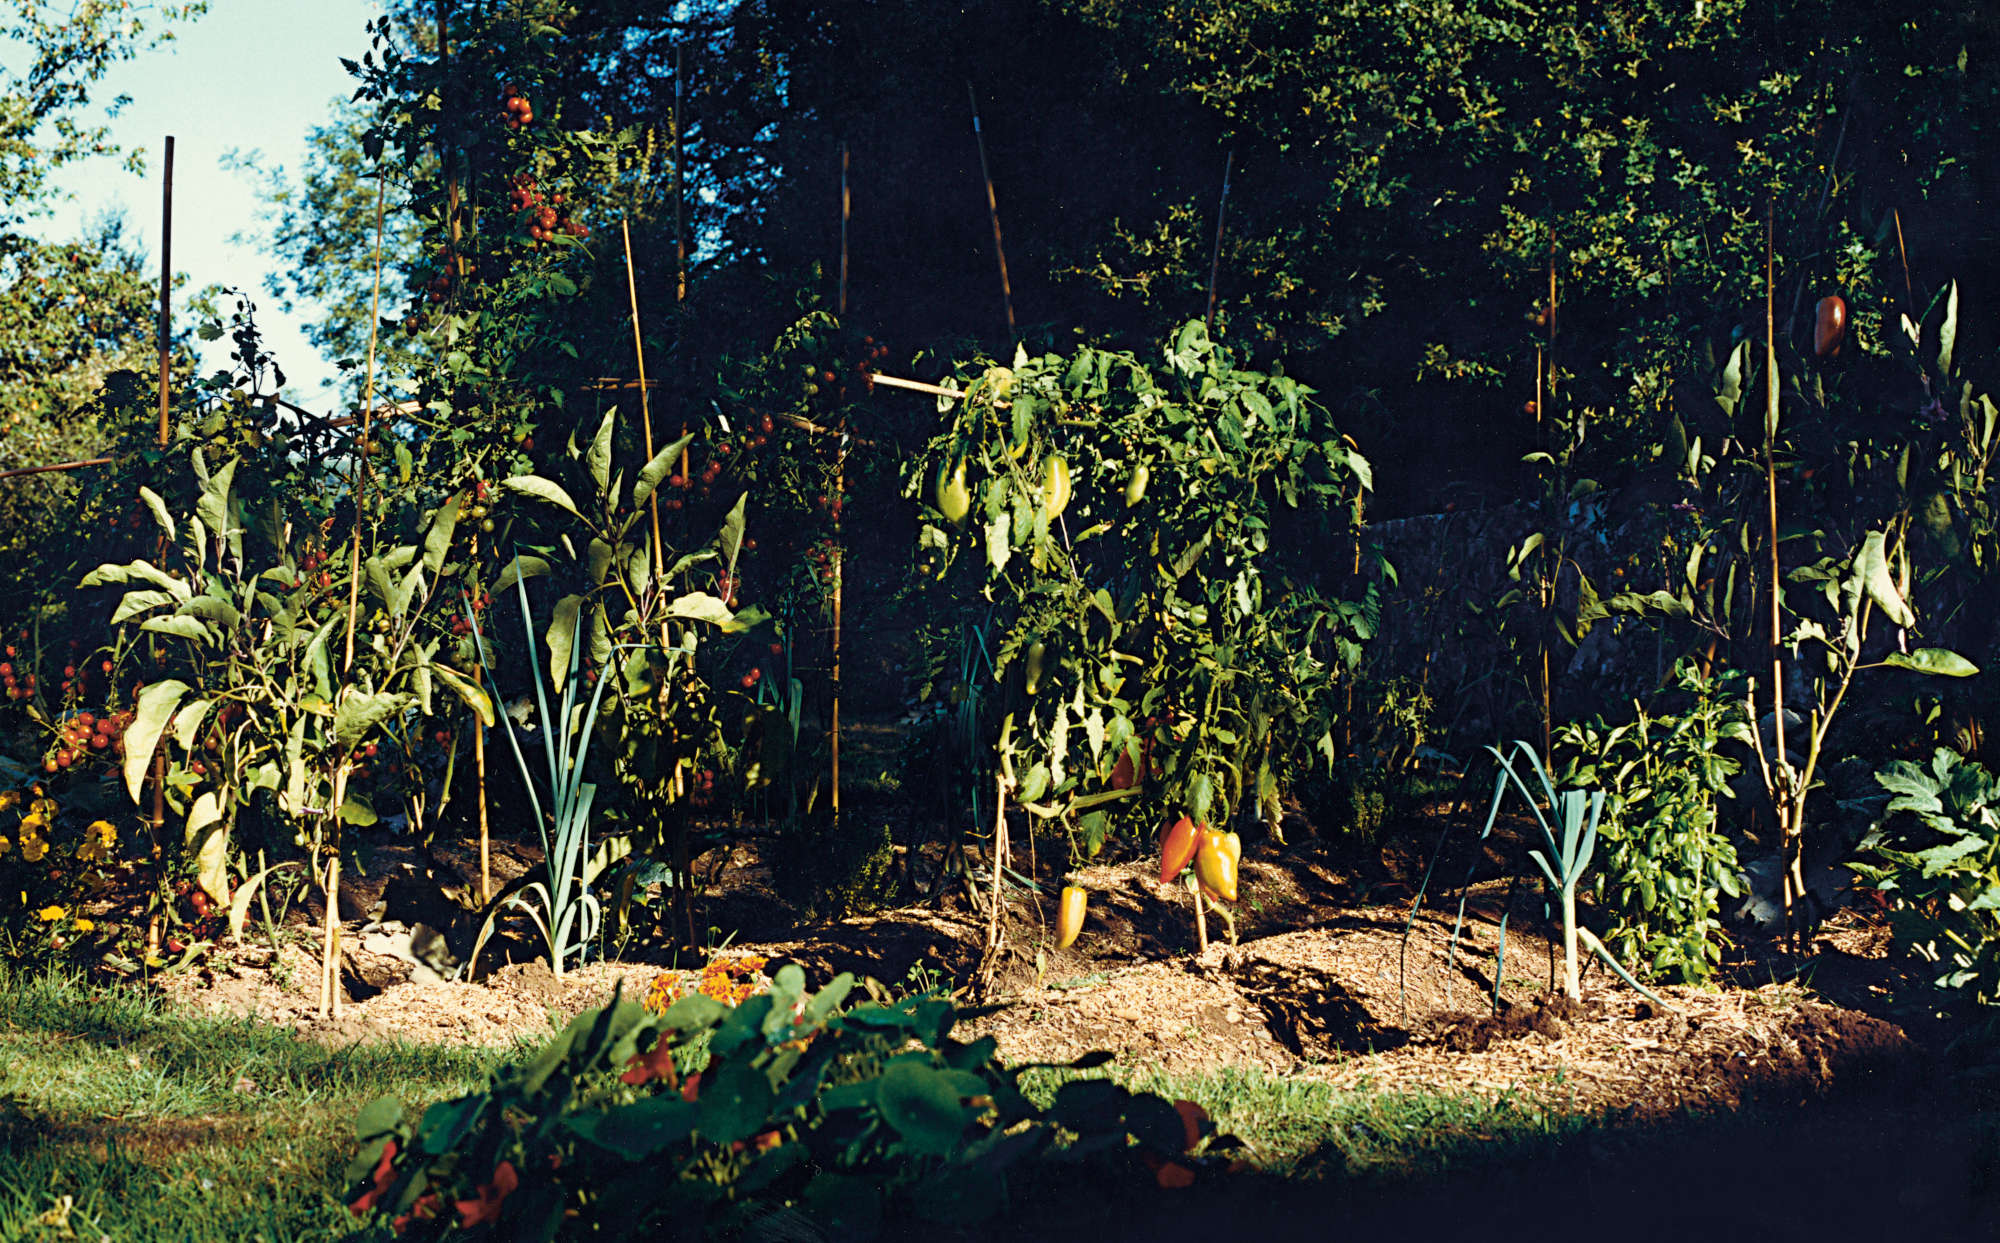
(367, 414)
(153, 927)
(992, 210)
(485, 835)
(680, 197)
(1215, 259)
(1909, 293)
(1200, 918)
(833, 728)
(645, 393)
(329, 972)
(38, 470)
(915, 386)
(999, 859)
(1783, 802)
(846, 209)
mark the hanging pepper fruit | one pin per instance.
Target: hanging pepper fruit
(1135, 487)
(1069, 915)
(1123, 774)
(1177, 848)
(1055, 488)
(1829, 325)
(954, 499)
(1215, 864)
(1038, 652)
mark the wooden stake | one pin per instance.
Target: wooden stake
(833, 728)
(153, 927)
(1200, 919)
(1909, 293)
(367, 416)
(37, 470)
(993, 210)
(485, 837)
(645, 393)
(999, 859)
(1215, 260)
(329, 962)
(680, 198)
(846, 206)
(1783, 803)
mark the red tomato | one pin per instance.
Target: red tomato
(1829, 325)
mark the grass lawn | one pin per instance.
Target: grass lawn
(121, 1121)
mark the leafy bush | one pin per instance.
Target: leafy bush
(1940, 862)
(803, 1113)
(1665, 863)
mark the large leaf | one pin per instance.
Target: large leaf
(180, 627)
(360, 713)
(1871, 565)
(923, 1106)
(158, 508)
(108, 575)
(598, 457)
(542, 490)
(208, 844)
(437, 540)
(478, 700)
(1933, 660)
(659, 468)
(732, 529)
(156, 707)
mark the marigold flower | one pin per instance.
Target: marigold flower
(9, 799)
(85, 925)
(50, 914)
(6, 844)
(33, 848)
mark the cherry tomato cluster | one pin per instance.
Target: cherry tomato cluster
(21, 684)
(440, 286)
(515, 110)
(83, 733)
(755, 437)
(136, 519)
(823, 382)
(313, 571)
(544, 220)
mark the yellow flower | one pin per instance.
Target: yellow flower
(85, 925)
(43, 807)
(98, 840)
(33, 848)
(8, 798)
(33, 823)
(5, 845)
(50, 914)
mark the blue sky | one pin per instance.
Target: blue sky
(252, 75)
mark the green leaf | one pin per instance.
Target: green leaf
(207, 843)
(658, 469)
(735, 1102)
(732, 529)
(437, 540)
(923, 1107)
(1871, 565)
(638, 1131)
(360, 713)
(478, 700)
(1933, 660)
(156, 706)
(542, 490)
(180, 627)
(598, 458)
(159, 510)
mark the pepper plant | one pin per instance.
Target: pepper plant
(1158, 650)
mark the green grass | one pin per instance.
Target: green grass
(151, 1125)
(1305, 1128)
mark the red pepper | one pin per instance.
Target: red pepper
(1177, 849)
(1829, 325)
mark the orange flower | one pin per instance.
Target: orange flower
(424, 1209)
(486, 1207)
(383, 1178)
(656, 1063)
